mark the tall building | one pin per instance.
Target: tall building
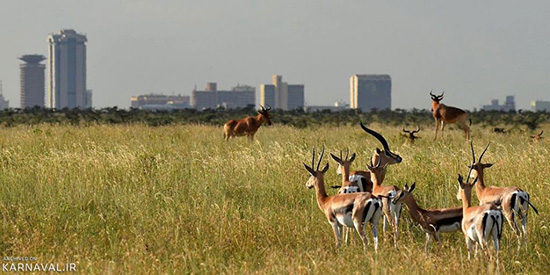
(160, 102)
(239, 96)
(370, 91)
(540, 106)
(4, 104)
(509, 105)
(281, 95)
(67, 70)
(32, 80)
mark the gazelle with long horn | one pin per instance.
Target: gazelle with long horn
(478, 222)
(410, 135)
(350, 210)
(514, 201)
(247, 126)
(432, 221)
(444, 114)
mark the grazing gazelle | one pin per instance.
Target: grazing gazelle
(478, 222)
(448, 115)
(385, 156)
(351, 210)
(246, 126)
(410, 135)
(513, 200)
(537, 138)
(387, 192)
(432, 221)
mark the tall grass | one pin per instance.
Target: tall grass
(178, 199)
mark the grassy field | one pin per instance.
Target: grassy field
(177, 199)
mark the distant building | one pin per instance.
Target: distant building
(160, 102)
(509, 105)
(337, 107)
(281, 95)
(32, 80)
(239, 96)
(538, 105)
(369, 92)
(4, 104)
(67, 70)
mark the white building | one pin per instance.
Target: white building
(539, 105)
(509, 105)
(67, 70)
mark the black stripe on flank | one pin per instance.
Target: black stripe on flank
(513, 201)
(448, 221)
(484, 223)
(366, 212)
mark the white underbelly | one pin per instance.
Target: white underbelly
(350, 189)
(345, 219)
(450, 228)
(472, 233)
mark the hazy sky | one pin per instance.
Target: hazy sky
(474, 50)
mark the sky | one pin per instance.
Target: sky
(475, 51)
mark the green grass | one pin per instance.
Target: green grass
(178, 199)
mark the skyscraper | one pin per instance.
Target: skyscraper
(369, 92)
(281, 95)
(4, 104)
(32, 80)
(67, 70)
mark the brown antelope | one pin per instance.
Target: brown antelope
(410, 135)
(385, 156)
(448, 115)
(350, 210)
(246, 126)
(478, 222)
(387, 192)
(432, 221)
(537, 138)
(343, 169)
(513, 200)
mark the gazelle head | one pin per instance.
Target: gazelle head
(343, 163)
(404, 194)
(377, 168)
(265, 114)
(316, 175)
(478, 166)
(386, 156)
(465, 188)
(410, 134)
(537, 138)
(437, 98)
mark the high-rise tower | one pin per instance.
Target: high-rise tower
(281, 95)
(369, 92)
(32, 80)
(67, 70)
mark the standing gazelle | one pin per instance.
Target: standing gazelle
(343, 169)
(432, 221)
(448, 115)
(478, 222)
(351, 210)
(513, 200)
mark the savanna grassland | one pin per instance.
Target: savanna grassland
(178, 199)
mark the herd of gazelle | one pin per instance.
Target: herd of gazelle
(362, 199)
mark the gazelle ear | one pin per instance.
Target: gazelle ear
(310, 170)
(378, 151)
(352, 157)
(460, 181)
(406, 187)
(412, 187)
(325, 169)
(487, 165)
(335, 158)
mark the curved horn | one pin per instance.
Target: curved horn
(268, 107)
(470, 173)
(347, 154)
(405, 130)
(441, 95)
(313, 159)
(320, 158)
(473, 153)
(540, 133)
(486, 147)
(263, 109)
(417, 129)
(431, 93)
(377, 136)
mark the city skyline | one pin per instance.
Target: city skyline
(474, 51)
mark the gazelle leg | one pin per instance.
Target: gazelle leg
(469, 246)
(428, 241)
(511, 218)
(442, 128)
(436, 128)
(375, 235)
(360, 228)
(337, 232)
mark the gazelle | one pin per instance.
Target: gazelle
(444, 114)
(537, 138)
(432, 221)
(247, 126)
(350, 210)
(387, 192)
(478, 222)
(513, 200)
(385, 156)
(410, 135)
(343, 169)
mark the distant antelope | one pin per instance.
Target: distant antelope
(410, 135)
(385, 156)
(351, 210)
(448, 115)
(537, 138)
(478, 222)
(432, 221)
(513, 200)
(246, 126)
(387, 192)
